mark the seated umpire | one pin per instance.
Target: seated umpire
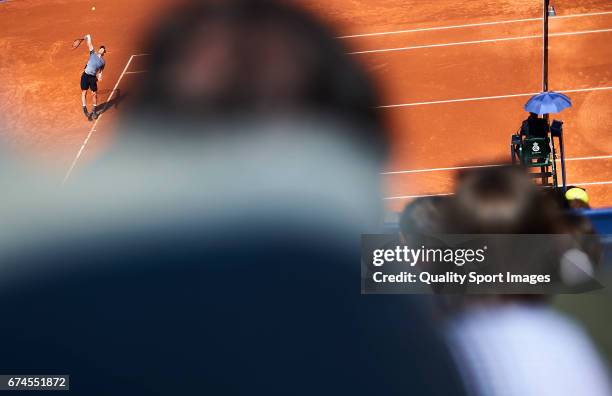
(535, 126)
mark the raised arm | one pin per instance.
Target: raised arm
(89, 44)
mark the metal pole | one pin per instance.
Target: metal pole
(545, 87)
(562, 162)
(545, 55)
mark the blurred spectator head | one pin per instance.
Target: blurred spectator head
(502, 200)
(254, 59)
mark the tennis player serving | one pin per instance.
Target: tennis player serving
(91, 75)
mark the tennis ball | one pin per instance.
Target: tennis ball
(93, 8)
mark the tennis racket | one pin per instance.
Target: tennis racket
(77, 42)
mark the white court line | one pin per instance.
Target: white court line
(594, 157)
(535, 36)
(445, 194)
(417, 196)
(590, 183)
(451, 168)
(472, 25)
(459, 100)
(490, 97)
(93, 128)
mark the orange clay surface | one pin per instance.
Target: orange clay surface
(40, 96)
(41, 117)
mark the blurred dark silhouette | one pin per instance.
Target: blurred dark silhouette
(212, 255)
(239, 58)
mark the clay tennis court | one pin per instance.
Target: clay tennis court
(453, 76)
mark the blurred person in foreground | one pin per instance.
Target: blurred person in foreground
(216, 249)
(517, 344)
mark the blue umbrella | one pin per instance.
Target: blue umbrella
(547, 102)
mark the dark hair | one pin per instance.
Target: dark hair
(502, 200)
(103, 47)
(219, 60)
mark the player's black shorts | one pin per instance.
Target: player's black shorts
(90, 82)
